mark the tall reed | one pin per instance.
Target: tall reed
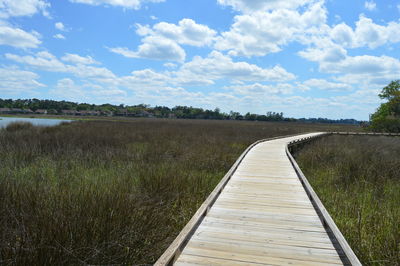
(358, 181)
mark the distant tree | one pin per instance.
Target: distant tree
(83, 107)
(272, 116)
(249, 116)
(391, 91)
(185, 112)
(234, 115)
(387, 116)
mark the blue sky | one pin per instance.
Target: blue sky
(306, 58)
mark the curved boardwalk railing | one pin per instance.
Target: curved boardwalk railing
(263, 211)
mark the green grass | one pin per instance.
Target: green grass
(101, 192)
(358, 180)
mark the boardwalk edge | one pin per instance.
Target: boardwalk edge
(350, 258)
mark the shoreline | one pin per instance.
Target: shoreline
(55, 117)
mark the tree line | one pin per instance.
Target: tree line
(145, 110)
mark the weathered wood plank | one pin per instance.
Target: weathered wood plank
(271, 250)
(260, 213)
(188, 259)
(264, 259)
(266, 226)
(287, 241)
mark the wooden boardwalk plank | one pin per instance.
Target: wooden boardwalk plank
(270, 250)
(262, 216)
(263, 258)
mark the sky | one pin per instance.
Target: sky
(305, 58)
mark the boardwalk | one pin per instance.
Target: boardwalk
(262, 215)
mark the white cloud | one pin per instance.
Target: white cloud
(261, 33)
(170, 65)
(145, 78)
(365, 64)
(373, 35)
(343, 35)
(60, 26)
(326, 53)
(18, 38)
(77, 59)
(19, 8)
(158, 48)
(363, 71)
(370, 5)
(65, 83)
(367, 80)
(124, 52)
(186, 32)
(203, 71)
(14, 81)
(177, 93)
(48, 62)
(256, 5)
(218, 66)
(169, 96)
(131, 4)
(323, 84)
(363, 98)
(261, 89)
(42, 60)
(68, 89)
(154, 48)
(333, 58)
(97, 73)
(143, 30)
(153, 17)
(366, 33)
(328, 47)
(163, 40)
(59, 36)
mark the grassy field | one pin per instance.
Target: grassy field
(358, 180)
(100, 192)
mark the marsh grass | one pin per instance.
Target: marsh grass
(17, 126)
(102, 192)
(358, 181)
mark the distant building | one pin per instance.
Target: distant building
(107, 113)
(92, 113)
(41, 111)
(122, 112)
(146, 114)
(15, 111)
(68, 112)
(5, 110)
